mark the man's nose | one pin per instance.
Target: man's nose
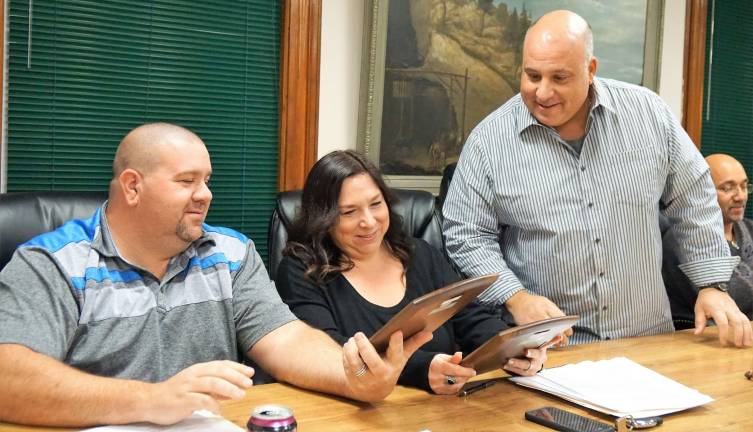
(203, 193)
(740, 193)
(544, 90)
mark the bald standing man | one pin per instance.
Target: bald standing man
(732, 187)
(561, 189)
(138, 312)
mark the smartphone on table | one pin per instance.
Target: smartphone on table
(566, 421)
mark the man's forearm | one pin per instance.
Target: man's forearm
(39, 390)
(317, 365)
(309, 358)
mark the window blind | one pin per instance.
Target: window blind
(728, 104)
(96, 69)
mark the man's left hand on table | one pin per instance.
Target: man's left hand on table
(734, 326)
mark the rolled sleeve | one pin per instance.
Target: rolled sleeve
(691, 206)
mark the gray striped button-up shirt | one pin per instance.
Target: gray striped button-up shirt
(583, 230)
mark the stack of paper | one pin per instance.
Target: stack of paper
(200, 421)
(618, 387)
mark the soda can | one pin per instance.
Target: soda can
(272, 418)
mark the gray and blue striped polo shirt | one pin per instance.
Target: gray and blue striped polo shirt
(582, 228)
(68, 294)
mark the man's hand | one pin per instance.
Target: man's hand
(197, 387)
(533, 362)
(378, 378)
(734, 326)
(443, 366)
(526, 308)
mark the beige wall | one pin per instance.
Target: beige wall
(672, 60)
(342, 38)
(340, 74)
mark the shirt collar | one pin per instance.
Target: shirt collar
(742, 235)
(102, 241)
(599, 95)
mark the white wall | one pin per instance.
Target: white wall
(340, 74)
(342, 38)
(672, 55)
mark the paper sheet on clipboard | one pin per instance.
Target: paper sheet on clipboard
(617, 386)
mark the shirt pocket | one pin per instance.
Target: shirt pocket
(633, 178)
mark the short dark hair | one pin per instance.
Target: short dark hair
(309, 235)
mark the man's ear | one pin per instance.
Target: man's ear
(131, 184)
(592, 66)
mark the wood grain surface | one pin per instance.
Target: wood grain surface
(699, 362)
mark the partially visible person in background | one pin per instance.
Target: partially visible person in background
(732, 188)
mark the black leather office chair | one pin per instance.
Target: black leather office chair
(416, 207)
(24, 215)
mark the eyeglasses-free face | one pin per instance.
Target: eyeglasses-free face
(364, 218)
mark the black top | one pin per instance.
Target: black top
(340, 311)
(683, 295)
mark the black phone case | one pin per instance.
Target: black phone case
(566, 421)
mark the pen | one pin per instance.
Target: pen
(477, 387)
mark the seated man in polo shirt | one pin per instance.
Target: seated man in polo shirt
(137, 313)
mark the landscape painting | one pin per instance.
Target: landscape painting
(448, 63)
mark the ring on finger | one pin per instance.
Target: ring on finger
(450, 380)
(530, 365)
(361, 371)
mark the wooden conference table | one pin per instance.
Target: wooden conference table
(698, 362)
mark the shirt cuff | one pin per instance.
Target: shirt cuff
(500, 291)
(710, 271)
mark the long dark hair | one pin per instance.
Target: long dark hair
(309, 237)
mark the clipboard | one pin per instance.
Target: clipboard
(430, 311)
(514, 341)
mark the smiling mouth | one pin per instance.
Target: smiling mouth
(368, 236)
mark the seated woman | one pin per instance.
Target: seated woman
(350, 267)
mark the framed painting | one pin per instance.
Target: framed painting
(433, 69)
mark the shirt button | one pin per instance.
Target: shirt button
(601, 274)
(604, 307)
(582, 168)
(597, 240)
(607, 338)
(590, 205)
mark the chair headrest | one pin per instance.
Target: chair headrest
(416, 207)
(24, 215)
(288, 204)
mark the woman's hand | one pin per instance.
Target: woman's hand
(444, 370)
(533, 363)
(370, 376)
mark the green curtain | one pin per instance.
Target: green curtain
(96, 69)
(728, 101)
